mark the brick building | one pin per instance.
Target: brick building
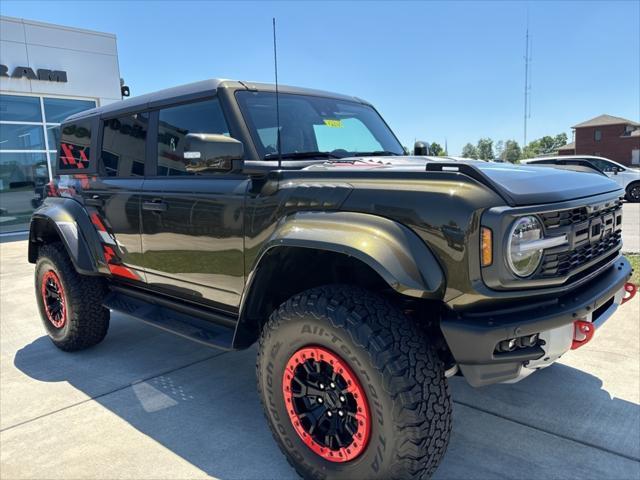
(606, 136)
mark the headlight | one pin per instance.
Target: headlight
(523, 252)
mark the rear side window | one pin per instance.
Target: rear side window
(123, 145)
(176, 123)
(75, 143)
(602, 164)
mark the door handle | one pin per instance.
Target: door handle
(94, 201)
(155, 206)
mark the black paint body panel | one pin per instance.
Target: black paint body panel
(199, 241)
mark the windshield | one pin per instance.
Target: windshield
(316, 126)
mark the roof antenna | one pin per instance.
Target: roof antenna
(527, 79)
(275, 63)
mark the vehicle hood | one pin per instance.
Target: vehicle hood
(519, 184)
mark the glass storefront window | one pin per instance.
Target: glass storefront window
(29, 136)
(16, 108)
(57, 109)
(16, 136)
(22, 179)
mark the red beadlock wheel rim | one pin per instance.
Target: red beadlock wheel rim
(53, 299)
(326, 404)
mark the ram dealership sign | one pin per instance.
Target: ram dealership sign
(41, 74)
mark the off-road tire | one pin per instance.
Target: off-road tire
(400, 372)
(87, 321)
(633, 192)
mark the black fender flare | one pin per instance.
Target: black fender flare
(391, 249)
(73, 226)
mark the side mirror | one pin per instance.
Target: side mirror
(211, 152)
(421, 148)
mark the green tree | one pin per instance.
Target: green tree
(485, 149)
(511, 152)
(469, 151)
(544, 145)
(436, 150)
(499, 149)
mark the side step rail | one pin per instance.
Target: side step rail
(186, 325)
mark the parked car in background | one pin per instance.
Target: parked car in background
(627, 177)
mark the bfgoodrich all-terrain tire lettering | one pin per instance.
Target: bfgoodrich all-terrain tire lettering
(70, 304)
(383, 357)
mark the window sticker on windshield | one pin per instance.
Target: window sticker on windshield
(333, 123)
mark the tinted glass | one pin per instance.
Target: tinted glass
(602, 164)
(20, 109)
(123, 145)
(53, 132)
(75, 145)
(21, 137)
(176, 123)
(57, 109)
(309, 123)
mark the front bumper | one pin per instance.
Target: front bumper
(473, 337)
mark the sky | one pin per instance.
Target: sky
(436, 71)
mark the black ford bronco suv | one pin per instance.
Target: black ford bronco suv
(231, 213)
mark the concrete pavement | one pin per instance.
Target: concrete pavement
(146, 404)
(631, 227)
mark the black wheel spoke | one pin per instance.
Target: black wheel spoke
(301, 384)
(308, 368)
(349, 428)
(327, 441)
(316, 392)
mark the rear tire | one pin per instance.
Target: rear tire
(633, 192)
(70, 304)
(408, 420)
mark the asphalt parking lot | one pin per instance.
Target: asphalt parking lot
(146, 404)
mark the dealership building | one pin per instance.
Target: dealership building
(47, 72)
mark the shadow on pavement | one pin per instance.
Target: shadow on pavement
(564, 401)
(209, 414)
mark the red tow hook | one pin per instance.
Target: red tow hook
(582, 333)
(630, 290)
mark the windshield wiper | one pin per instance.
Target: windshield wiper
(300, 155)
(377, 153)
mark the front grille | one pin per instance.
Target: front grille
(565, 218)
(557, 265)
(594, 233)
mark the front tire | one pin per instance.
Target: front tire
(633, 192)
(340, 349)
(70, 304)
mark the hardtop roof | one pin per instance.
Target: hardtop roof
(197, 90)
